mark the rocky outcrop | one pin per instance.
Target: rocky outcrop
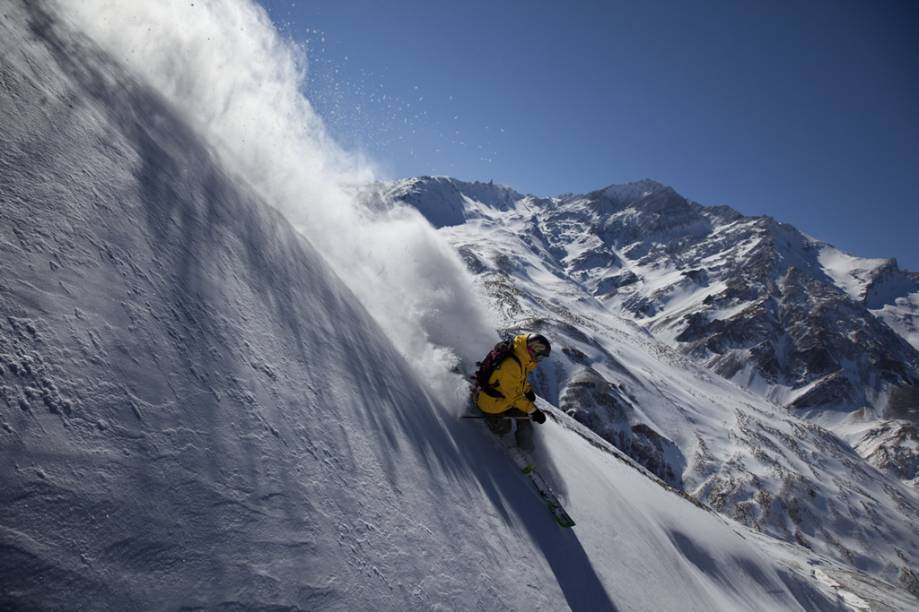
(606, 409)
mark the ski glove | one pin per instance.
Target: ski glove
(539, 416)
(530, 395)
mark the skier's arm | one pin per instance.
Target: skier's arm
(530, 399)
(526, 402)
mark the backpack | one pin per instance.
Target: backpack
(503, 350)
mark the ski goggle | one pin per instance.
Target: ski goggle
(538, 350)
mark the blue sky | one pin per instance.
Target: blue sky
(806, 111)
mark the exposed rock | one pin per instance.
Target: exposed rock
(605, 409)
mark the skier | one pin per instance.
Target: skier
(502, 390)
(505, 391)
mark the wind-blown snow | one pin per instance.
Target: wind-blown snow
(226, 70)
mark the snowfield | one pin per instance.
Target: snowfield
(201, 406)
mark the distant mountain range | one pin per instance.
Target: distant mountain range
(832, 337)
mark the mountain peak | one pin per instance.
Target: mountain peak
(629, 192)
(443, 200)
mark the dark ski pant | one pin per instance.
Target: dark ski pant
(501, 426)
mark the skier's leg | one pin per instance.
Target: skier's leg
(524, 435)
(498, 424)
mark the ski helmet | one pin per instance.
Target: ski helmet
(539, 345)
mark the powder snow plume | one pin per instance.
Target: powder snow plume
(240, 84)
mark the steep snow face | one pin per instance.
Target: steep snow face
(196, 412)
(902, 316)
(542, 261)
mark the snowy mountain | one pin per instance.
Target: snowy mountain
(649, 296)
(827, 335)
(211, 396)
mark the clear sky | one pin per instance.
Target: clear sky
(806, 111)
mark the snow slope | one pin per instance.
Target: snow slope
(692, 559)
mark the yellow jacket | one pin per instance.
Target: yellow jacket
(510, 379)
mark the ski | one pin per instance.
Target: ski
(528, 469)
(545, 492)
(561, 516)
